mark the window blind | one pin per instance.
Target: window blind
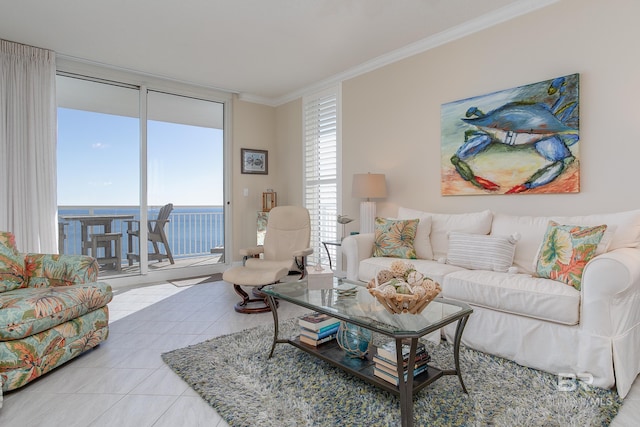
(321, 136)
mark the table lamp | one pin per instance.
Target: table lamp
(368, 186)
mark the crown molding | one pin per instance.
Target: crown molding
(480, 23)
(271, 102)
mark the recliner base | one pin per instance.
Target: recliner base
(251, 305)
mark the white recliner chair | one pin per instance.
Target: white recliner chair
(285, 249)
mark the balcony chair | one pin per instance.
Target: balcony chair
(155, 235)
(285, 250)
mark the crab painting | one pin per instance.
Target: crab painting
(527, 141)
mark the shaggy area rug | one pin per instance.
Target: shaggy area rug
(293, 388)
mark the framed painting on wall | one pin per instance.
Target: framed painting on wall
(519, 140)
(255, 161)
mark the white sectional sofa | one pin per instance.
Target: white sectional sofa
(593, 331)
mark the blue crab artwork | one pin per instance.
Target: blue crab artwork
(539, 119)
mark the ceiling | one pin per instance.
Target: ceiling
(268, 51)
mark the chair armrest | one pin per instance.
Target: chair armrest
(303, 252)
(252, 251)
(46, 270)
(355, 248)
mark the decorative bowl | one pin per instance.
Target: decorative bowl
(405, 303)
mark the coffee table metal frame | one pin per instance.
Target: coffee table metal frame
(364, 368)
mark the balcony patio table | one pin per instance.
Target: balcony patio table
(86, 221)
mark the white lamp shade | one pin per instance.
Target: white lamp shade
(369, 186)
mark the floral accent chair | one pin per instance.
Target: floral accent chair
(51, 310)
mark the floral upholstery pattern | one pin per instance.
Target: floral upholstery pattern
(394, 238)
(28, 311)
(51, 310)
(12, 274)
(566, 250)
(22, 361)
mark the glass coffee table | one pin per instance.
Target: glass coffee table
(362, 309)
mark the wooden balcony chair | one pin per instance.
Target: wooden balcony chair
(285, 249)
(156, 235)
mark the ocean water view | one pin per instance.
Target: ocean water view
(192, 230)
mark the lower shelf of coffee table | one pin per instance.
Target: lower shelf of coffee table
(363, 368)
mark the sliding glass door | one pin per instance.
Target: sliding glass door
(124, 153)
(185, 168)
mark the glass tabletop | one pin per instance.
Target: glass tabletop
(352, 302)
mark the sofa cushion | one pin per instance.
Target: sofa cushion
(394, 238)
(442, 224)
(518, 294)
(481, 252)
(422, 242)
(370, 267)
(12, 274)
(566, 250)
(24, 312)
(623, 231)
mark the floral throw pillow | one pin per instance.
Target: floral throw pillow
(394, 238)
(566, 250)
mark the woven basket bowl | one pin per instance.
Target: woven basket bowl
(405, 303)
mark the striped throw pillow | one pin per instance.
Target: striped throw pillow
(481, 252)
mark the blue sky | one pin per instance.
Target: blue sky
(98, 161)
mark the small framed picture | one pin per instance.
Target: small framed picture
(255, 161)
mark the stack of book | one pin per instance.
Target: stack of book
(386, 362)
(317, 328)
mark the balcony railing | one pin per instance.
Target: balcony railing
(192, 231)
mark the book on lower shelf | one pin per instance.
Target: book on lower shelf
(420, 360)
(388, 350)
(307, 340)
(317, 321)
(322, 333)
(393, 377)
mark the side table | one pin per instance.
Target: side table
(332, 243)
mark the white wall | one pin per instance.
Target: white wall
(254, 126)
(289, 151)
(391, 116)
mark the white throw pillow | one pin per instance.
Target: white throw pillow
(421, 243)
(481, 252)
(442, 224)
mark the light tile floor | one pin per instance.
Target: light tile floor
(124, 382)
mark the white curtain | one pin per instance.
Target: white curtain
(28, 204)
